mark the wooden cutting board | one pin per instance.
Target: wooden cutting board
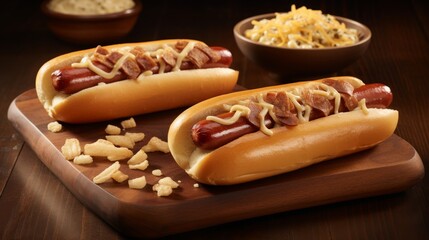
(392, 166)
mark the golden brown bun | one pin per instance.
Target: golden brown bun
(257, 155)
(130, 97)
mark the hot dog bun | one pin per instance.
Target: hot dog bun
(130, 97)
(257, 155)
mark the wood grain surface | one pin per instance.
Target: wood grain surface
(141, 213)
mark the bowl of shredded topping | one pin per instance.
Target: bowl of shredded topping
(89, 21)
(302, 42)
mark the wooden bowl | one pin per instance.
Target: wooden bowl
(297, 62)
(92, 29)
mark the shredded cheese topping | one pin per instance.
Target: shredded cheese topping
(239, 110)
(302, 28)
(182, 55)
(86, 61)
(294, 95)
(362, 106)
(266, 108)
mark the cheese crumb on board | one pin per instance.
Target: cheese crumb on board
(137, 183)
(71, 148)
(55, 127)
(156, 144)
(157, 172)
(82, 159)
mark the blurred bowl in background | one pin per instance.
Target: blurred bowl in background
(91, 29)
(301, 62)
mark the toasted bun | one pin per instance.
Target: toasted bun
(257, 155)
(130, 97)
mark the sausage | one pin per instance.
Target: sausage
(377, 95)
(210, 135)
(225, 58)
(70, 80)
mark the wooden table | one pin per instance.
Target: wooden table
(35, 204)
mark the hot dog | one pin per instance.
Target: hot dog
(208, 134)
(248, 135)
(73, 79)
(124, 80)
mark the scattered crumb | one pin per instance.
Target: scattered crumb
(137, 158)
(107, 173)
(121, 141)
(136, 137)
(119, 176)
(162, 190)
(112, 130)
(140, 166)
(156, 144)
(71, 148)
(137, 183)
(118, 147)
(82, 159)
(165, 186)
(157, 172)
(130, 123)
(104, 148)
(55, 127)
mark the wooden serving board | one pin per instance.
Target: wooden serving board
(392, 166)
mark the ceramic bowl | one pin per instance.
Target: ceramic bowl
(92, 29)
(301, 63)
